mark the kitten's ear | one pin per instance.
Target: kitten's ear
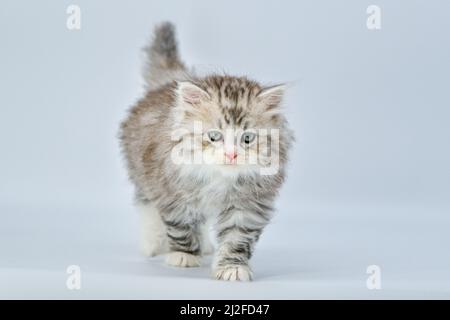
(190, 93)
(272, 96)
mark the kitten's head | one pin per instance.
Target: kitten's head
(231, 124)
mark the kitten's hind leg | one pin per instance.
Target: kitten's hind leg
(153, 236)
(206, 245)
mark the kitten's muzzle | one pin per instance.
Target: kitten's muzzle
(231, 156)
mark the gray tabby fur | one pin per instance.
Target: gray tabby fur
(179, 201)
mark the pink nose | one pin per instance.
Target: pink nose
(231, 155)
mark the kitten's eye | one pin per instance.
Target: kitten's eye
(215, 135)
(248, 137)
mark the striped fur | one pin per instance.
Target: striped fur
(236, 199)
(163, 62)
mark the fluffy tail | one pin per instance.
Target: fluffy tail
(163, 63)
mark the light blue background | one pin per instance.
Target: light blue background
(369, 180)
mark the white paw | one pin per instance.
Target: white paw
(233, 273)
(153, 239)
(151, 249)
(153, 244)
(182, 259)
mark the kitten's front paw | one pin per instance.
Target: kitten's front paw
(233, 273)
(182, 259)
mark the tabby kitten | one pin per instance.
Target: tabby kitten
(203, 151)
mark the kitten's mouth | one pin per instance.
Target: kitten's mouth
(230, 162)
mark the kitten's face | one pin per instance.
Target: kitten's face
(232, 122)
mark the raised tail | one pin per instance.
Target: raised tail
(163, 63)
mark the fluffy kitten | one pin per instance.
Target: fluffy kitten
(203, 151)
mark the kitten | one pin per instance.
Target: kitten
(201, 151)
